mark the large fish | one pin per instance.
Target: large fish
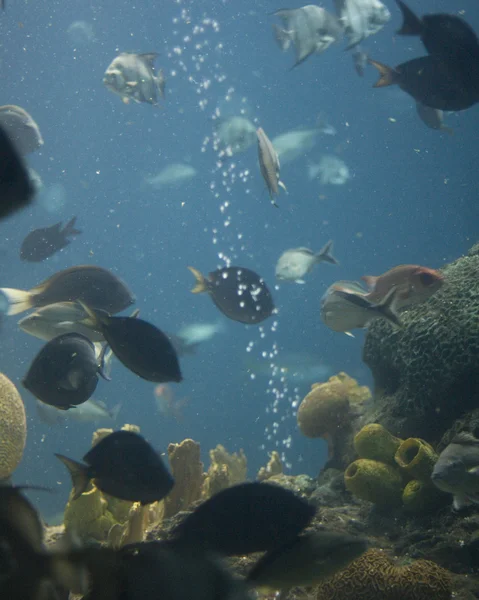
(87, 412)
(133, 77)
(235, 134)
(361, 18)
(269, 165)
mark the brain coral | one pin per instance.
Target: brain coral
(427, 373)
(13, 427)
(373, 576)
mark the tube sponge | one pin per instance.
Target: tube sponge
(419, 496)
(416, 458)
(374, 481)
(376, 443)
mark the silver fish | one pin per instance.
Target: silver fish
(432, 118)
(235, 134)
(295, 263)
(345, 306)
(133, 77)
(361, 18)
(310, 29)
(291, 145)
(269, 165)
(457, 470)
(90, 411)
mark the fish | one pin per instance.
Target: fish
(344, 306)
(140, 346)
(96, 286)
(124, 465)
(181, 346)
(293, 144)
(173, 175)
(295, 263)
(44, 242)
(306, 560)
(432, 118)
(166, 402)
(21, 128)
(198, 333)
(413, 284)
(133, 77)
(239, 293)
(432, 82)
(235, 134)
(90, 411)
(245, 518)
(65, 371)
(269, 165)
(361, 18)
(445, 36)
(310, 29)
(360, 60)
(331, 170)
(16, 188)
(457, 470)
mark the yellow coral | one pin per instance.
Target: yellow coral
(13, 427)
(236, 463)
(88, 516)
(217, 479)
(419, 496)
(374, 481)
(376, 443)
(374, 576)
(416, 458)
(187, 470)
(274, 467)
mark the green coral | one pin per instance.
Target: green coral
(416, 458)
(374, 481)
(376, 443)
(88, 516)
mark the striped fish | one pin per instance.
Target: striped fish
(269, 165)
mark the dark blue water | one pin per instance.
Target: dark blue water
(412, 198)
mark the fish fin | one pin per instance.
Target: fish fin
(149, 58)
(115, 411)
(274, 204)
(160, 83)
(370, 281)
(125, 100)
(387, 309)
(300, 281)
(460, 501)
(135, 314)
(349, 334)
(282, 37)
(201, 283)
(95, 316)
(281, 185)
(78, 473)
(132, 84)
(301, 60)
(104, 362)
(326, 254)
(352, 45)
(412, 24)
(69, 228)
(387, 75)
(18, 300)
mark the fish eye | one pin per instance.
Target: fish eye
(427, 279)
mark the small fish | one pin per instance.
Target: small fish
(246, 518)
(139, 345)
(167, 404)
(360, 60)
(269, 165)
(235, 134)
(42, 243)
(90, 411)
(16, 188)
(124, 465)
(198, 333)
(21, 128)
(331, 170)
(432, 118)
(446, 36)
(65, 371)
(173, 175)
(361, 18)
(432, 82)
(457, 470)
(133, 77)
(307, 560)
(345, 306)
(293, 144)
(96, 286)
(413, 284)
(239, 293)
(295, 263)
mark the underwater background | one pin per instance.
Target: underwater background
(411, 198)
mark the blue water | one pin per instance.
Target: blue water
(412, 198)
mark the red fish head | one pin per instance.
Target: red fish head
(426, 281)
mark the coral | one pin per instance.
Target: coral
(426, 373)
(236, 463)
(13, 427)
(374, 576)
(416, 458)
(419, 496)
(374, 481)
(376, 443)
(274, 467)
(217, 479)
(88, 517)
(187, 469)
(302, 485)
(133, 530)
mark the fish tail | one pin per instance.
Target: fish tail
(412, 25)
(104, 362)
(78, 473)
(69, 228)
(387, 75)
(115, 411)
(161, 83)
(201, 283)
(17, 301)
(282, 37)
(387, 307)
(326, 254)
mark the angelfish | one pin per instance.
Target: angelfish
(269, 165)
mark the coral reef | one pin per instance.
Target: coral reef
(13, 427)
(416, 458)
(88, 517)
(426, 373)
(274, 467)
(376, 443)
(374, 576)
(225, 470)
(187, 469)
(374, 481)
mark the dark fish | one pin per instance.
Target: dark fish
(42, 243)
(246, 518)
(16, 188)
(432, 82)
(22, 129)
(269, 165)
(95, 286)
(239, 293)
(445, 36)
(306, 560)
(65, 371)
(432, 118)
(139, 345)
(124, 465)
